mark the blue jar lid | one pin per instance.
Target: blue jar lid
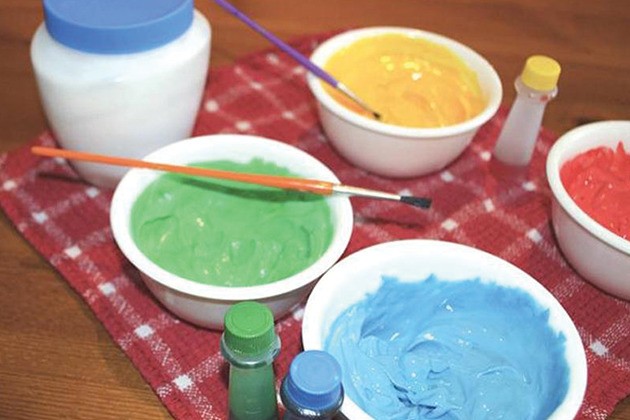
(117, 26)
(313, 382)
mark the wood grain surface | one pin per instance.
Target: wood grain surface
(56, 359)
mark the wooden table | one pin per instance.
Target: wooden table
(56, 359)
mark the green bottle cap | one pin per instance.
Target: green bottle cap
(249, 328)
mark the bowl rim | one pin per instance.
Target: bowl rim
(323, 51)
(578, 137)
(576, 357)
(128, 190)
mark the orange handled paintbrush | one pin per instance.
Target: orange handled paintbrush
(289, 183)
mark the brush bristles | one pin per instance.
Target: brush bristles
(421, 202)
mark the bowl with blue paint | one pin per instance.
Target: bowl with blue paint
(434, 329)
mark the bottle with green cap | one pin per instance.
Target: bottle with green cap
(312, 388)
(535, 87)
(250, 344)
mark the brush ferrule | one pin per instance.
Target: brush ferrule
(364, 192)
(344, 89)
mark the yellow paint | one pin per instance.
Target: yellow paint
(411, 82)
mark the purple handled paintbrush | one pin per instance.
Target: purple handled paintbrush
(308, 64)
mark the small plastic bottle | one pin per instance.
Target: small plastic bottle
(250, 345)
(312, 389)
(535, 87)
(120, 77)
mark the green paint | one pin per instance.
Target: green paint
(227, 233)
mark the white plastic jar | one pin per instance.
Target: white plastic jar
(120, 77)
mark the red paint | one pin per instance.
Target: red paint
(598, 180)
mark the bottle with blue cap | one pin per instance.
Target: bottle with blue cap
(120, 77)
(312, 388)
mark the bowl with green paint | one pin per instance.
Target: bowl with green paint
(201, 244)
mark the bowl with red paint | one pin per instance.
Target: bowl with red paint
(597, 250)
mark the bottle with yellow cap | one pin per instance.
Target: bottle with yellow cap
(535, 87)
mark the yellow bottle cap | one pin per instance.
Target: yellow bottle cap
(541, 72)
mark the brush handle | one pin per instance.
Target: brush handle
(312, 67)
(290, 183)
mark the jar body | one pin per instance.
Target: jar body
(251, 393)
(121, 104)
(517, 140)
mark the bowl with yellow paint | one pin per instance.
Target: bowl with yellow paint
(432, 93)
(201, 245)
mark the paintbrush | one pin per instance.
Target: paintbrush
(290, 183)
(312, 67)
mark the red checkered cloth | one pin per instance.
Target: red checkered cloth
(265, 94)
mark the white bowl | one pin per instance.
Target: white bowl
(352, 278)
(596, 253)
(202, 304)
(396, 151)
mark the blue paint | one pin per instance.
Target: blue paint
(450, 350)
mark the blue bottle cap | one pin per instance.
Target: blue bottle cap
(117, 26)
(313, 382)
